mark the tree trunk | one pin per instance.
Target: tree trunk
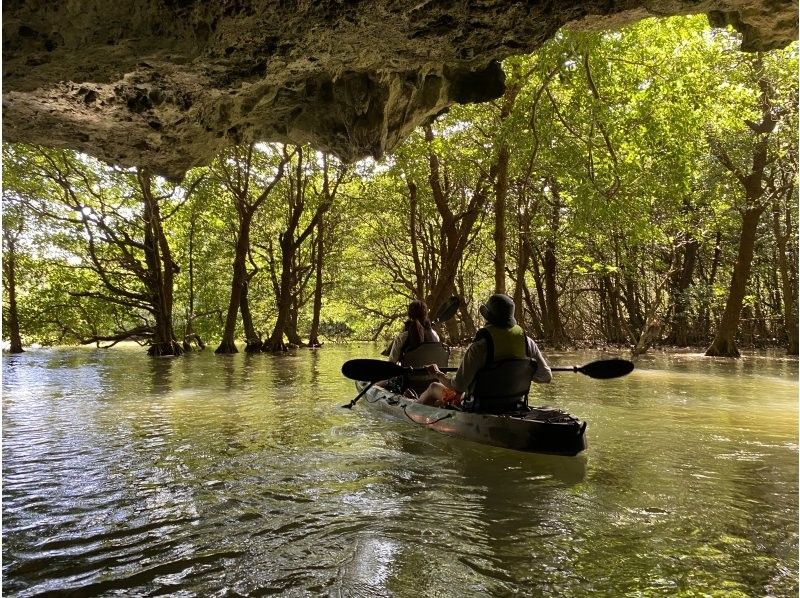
(252, 338)
(501, 194)
(284, 300)
(10, 282)
(679, 321)
(522, 265)
(789, 288)
(540, 295)
(162, 270)
(724, 343)
(228, 345)
(419, 281)
(703, 325)
(535, 329)
(553, 329)
(514, 85)
(313, 336)
(188, 332)
(291, 326)
(455, 228)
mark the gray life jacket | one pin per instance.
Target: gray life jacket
(422, 355)
(429, 336)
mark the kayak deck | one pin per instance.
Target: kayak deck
(541, 430)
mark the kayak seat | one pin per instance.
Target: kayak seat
(503, 386)
(420, 356)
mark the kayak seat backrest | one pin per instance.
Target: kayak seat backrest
(422, 355)
(503, 386)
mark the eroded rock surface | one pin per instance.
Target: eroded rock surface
(166, 83)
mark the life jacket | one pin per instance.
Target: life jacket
(503, 343)
(422, 355)
(428, 336)
(502, 384)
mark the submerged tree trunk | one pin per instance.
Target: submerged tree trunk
(788, 277)
(724, 343)
(189, 334)
(162, 269)
(284, 299)
(313, 335)
(679, 319)
(291, 327)
(290, 241)
(10, 282)
(553, 329)
(235, 171)
(227, 344)
(252, 338)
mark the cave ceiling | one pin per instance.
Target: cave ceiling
(165, 84)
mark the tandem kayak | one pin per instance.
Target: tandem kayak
(541, 430)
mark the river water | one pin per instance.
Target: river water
(241, 475)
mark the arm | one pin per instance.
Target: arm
(473, 360)
(396, 352)
(543, 373)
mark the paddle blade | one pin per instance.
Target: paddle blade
(448, 310)
(370, 370)
(607, 368)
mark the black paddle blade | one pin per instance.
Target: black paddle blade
(370, 370)
(448, 310)
(607, 368)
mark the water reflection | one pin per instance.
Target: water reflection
(161, 375)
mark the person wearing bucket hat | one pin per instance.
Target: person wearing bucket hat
(500, 339)
(499, 311)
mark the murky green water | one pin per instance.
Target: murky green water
(227, 476)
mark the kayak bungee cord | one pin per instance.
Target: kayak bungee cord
(426, 423)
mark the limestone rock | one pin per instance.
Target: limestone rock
(166, 83)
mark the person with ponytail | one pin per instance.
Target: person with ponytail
(416, 330)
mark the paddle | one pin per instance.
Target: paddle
(374, 370)
(446, 311)
(602, 369)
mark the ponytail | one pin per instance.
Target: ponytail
(417, 323)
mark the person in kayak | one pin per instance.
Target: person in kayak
(416, 330)
(500, 339)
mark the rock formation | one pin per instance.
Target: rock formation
(166, 83)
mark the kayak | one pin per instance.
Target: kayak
(540, 430)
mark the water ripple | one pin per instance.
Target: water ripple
(242, 476)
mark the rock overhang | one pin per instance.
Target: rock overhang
(165, 84)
